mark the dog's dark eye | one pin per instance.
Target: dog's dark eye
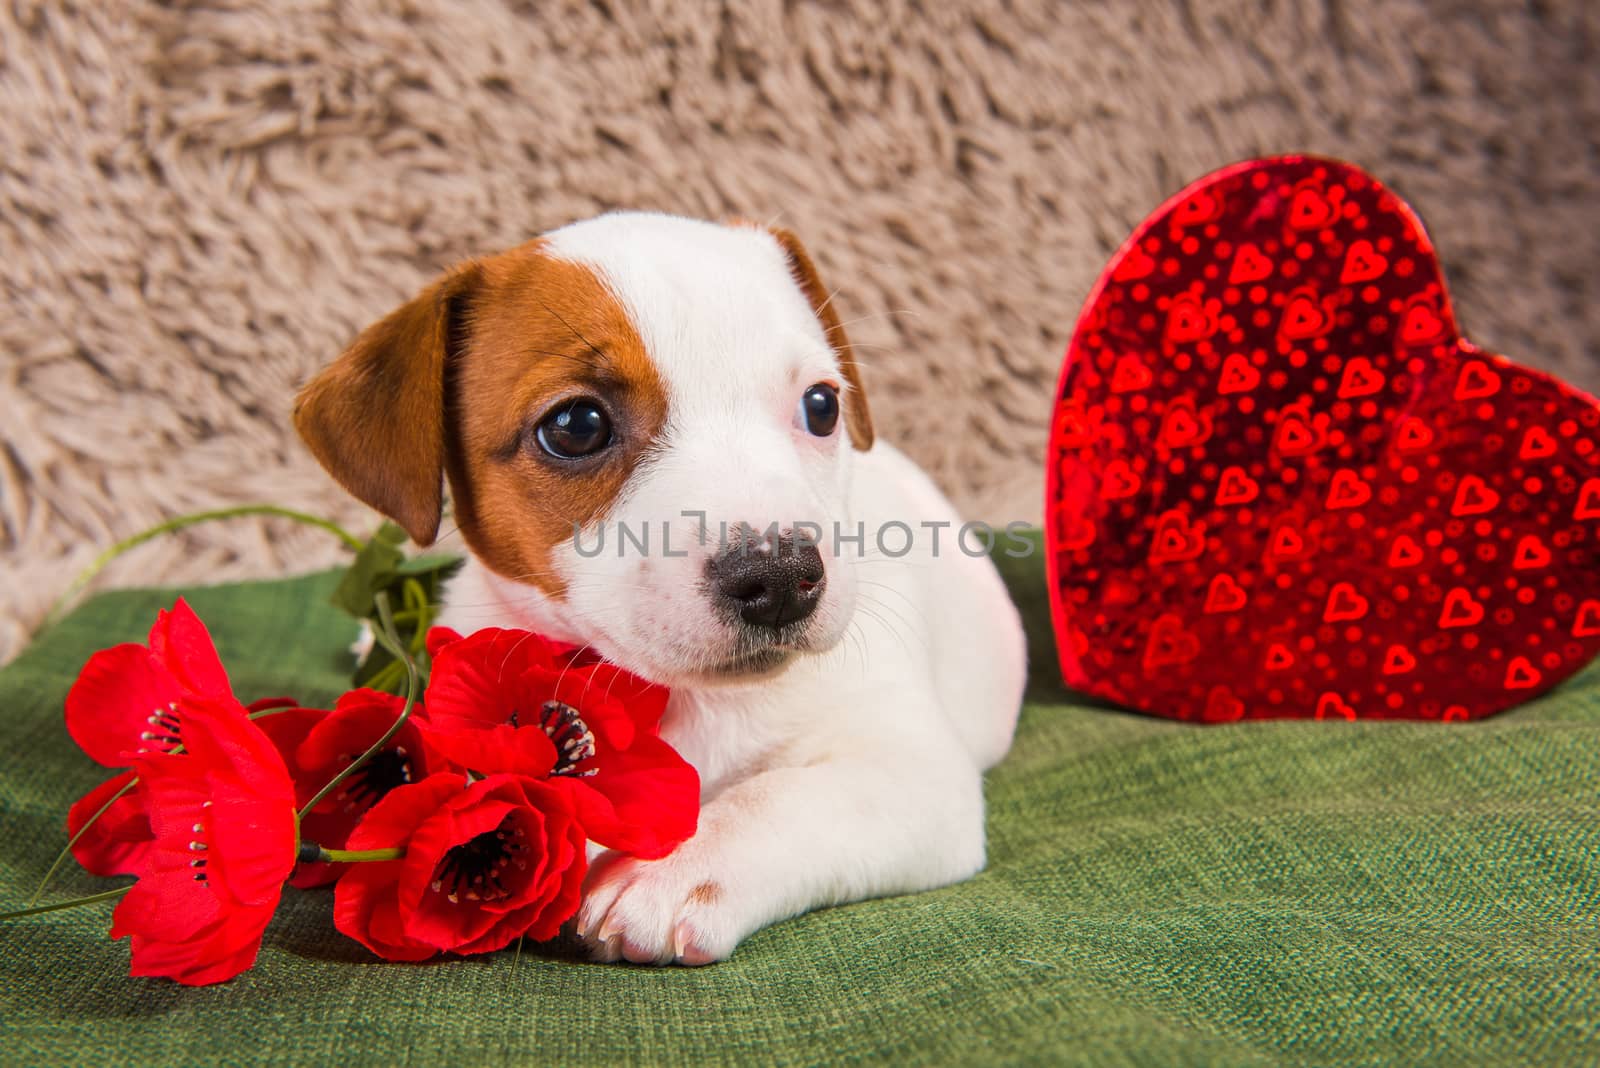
(576, 429)
(819, 409)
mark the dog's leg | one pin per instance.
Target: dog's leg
(893, 815)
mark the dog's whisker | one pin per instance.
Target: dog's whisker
(828, 300)
(612, 684)
(902, 561)
(865, 599)
(560, 318)
(500, 675)
(590, 364)
(532, 602)
(887, 313)
(869, 613)
(854, 638)
(877, 609)
(910, 604)
(562, 677)
(533, 594)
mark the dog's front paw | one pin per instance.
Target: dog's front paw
(655, 912)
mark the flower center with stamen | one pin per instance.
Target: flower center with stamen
(573, 739)
(163, 732)
(372, 781)
(198, 846)
(476, 869)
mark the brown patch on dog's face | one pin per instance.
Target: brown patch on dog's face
(541, 334)
(455, 383)
(857, 417)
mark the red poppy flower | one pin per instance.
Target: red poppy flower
(130, 699)
(222, 813)
(317, 745)
(118, 840)
(513, 701)
(482, 684)
(484, 864)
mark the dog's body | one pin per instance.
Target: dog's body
(642, 420)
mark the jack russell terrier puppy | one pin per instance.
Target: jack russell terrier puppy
(684, 391)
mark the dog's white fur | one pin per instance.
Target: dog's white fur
(852, 770)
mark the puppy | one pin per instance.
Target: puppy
(657, 445)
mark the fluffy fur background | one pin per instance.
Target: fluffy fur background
(200, 203)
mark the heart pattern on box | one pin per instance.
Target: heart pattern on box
(1282, 485)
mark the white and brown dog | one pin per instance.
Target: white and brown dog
(657, 444)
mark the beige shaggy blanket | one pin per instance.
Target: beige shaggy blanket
(200, 202)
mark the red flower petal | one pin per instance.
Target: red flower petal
(438, 638)
(588, 690)
(390, 823)
(222, 813)
(111, 705)
(501, 748)
(286, 730)
(365, 908)
(365, 903)
(181, 643)
(510, 845)
(564, 865)
(477, 681)
(270, 704)
(644, 701)
(251, 817)
(643, 800)
(429, 915)
(119, 841)
(196, 963)
(358, 720)
(507, 929)
(255, 864)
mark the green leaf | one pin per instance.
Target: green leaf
(413, 585)
(374, 569)
(447, 563)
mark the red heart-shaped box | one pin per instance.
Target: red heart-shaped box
(1281, 485)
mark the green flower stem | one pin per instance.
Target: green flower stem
(92, 899)
(361, 856)
(386, 636)
(66, 850)
(265, 712)
(387, 675)
(88, 574)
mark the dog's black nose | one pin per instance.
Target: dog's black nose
(769, 581)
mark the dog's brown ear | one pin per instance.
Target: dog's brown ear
(375, 416)
(857, 417)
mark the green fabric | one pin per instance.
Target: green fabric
(1156, 893)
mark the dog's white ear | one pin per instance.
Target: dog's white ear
(375, 417)
(857, 417)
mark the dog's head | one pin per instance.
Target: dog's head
(646, 424)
